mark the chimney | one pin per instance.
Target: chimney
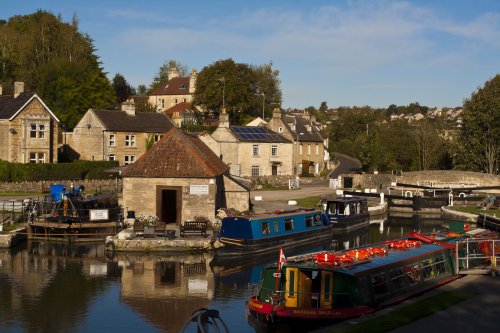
(176, 119)
(306, 115)
(173, 72)
(224, 119)
(192, 81)
(129, 107)
(277, 113)
(18, 88)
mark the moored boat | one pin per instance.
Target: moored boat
(325, 287)
(266, 233)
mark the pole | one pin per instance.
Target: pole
(263, 103)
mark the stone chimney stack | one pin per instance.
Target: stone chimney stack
(176, 119)
(18, 88)
(224, 118)
(129, 107)
(306, 115)
(173, 72)
(192, 81)
(277, 113)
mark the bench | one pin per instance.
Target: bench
(193, 227)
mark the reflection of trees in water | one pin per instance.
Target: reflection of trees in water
(397, 226)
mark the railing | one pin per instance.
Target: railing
(293, 183)
(477, 256)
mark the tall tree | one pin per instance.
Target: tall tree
(429, 144)
(478, 144)
(162, 74)
(122, 88)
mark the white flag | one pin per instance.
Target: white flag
(282, 259)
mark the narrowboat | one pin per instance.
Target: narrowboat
(327, 287)
(266, 233)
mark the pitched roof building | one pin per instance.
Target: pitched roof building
(109, 135)
(28, 128)
(180, 178)
(176, 90)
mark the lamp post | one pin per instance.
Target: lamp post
(263, 102)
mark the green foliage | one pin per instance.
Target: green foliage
(162, 75)
(20, 172)
(122, 88)
(478, 145)
(239, 87)
(59, 64)
(193, 128)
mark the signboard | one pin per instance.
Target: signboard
(198, 189)
(99, 214)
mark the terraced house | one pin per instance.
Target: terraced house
(111, 135)
(28, 128)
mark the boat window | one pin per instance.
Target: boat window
(326, 286)
(265, 228)
(398, 278)
(428, 271)
(347, 210)
(309, 221)
(379, 284)
(332, 208)
(276, 226)
(291, 284)
(441, 265)
(413, 273)
(317, 219)
(357, 208)
(288, 224)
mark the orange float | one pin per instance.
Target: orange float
(377, 251)
(362, 254)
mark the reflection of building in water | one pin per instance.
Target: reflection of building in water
(166, 289)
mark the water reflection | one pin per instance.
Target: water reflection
(50, 287)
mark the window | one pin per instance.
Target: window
(308, 149)
(276, 226)
(158, 137)
(309, 221)
(112, 141)
(398, 278)
(288, 224)
(129, 159)
(255, 150)
(37, 157)
(300, 149)
(379, 284)
(317, 220)
(317, 149)
(41, 131)
(111, 157)
(413, 273)
(428, 271)
(280, 129)
(129, 140)
(441, 265)
(255, 170)
(33, 131)
(265, 228)
(274, 150)
(183, 86)
(291, 291)
(162, 103)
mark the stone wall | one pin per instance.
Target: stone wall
(44, 186)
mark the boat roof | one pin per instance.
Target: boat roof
(277, 213)
(345, 199)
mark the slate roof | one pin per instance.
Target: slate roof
(173, 87)
(181, 108)
(10, 105)
(257, 134)
(177, 155)
(120, 121)
(314, 135)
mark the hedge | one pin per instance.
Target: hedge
(78, 170)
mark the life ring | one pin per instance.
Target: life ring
(361, 254)
(345, 259)
(403, 244)
(326, 259)
(466, 226)
(378, 251)
(451, 234)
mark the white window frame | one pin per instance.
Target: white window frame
(41, 157)
(32, 157)
(112, 140)
(280, 129)
(158, 137)
(300, 149)
(129, 159)
(41, 131)
(129, 140)
(274, 150)
(255, 150)
(255, 170)
(317, 149)
(111, 157)
(37, 157)
(32, 131)
(308, 149)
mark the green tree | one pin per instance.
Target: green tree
(122, 88)
(142, 90)
(478, 144)
(162, 75)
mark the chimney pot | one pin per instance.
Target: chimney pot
(18, 88)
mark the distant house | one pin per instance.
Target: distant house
(250, 151)
(183, 114)
(176, 90)
(310, 152)
(180, 178)
(28, 128)
(123, 136)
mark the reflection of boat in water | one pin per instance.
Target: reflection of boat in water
(265, 233)
(327, 286)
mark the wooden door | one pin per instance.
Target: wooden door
(292, 277)
(326, 298)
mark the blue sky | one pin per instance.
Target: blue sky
(343, 52)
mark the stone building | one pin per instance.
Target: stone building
(310, 147)
(108, 135)
(28, 128)
(180, 178)
(183, 114)
(250, 151)
(177, 89)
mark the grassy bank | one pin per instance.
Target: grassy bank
(474, 210)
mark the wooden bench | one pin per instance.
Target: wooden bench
(194, 227)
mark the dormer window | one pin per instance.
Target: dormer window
(183, 86)
(292, 126)
(280, 129)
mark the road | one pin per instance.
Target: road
(347, 164)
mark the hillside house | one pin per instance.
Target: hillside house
(28, 128)
(177, 89)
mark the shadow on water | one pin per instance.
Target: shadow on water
(59, 287)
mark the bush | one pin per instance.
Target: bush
(78, 170)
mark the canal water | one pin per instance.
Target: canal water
(58, 287)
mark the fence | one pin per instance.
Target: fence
(293, 183)
(477, 256)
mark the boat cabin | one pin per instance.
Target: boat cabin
(345, 208)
